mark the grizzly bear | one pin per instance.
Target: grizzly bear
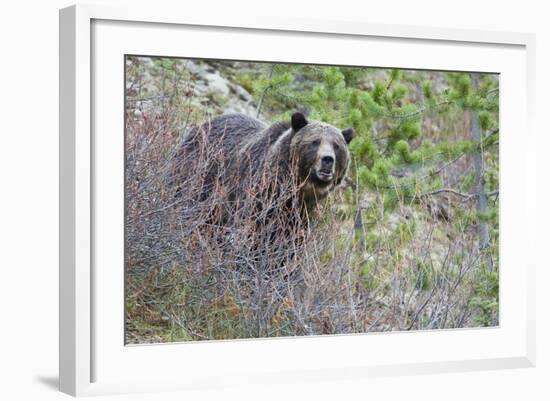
(299, 161)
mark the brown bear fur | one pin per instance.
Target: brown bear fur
(312, 157)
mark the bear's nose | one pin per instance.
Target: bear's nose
(327, 161)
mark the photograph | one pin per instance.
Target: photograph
(269, 199)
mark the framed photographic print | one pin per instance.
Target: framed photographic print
(317, 200)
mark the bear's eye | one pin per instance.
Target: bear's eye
(315, 143)
(335, 146)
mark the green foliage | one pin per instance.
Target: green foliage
(486, 298)
(427, 90)
(364, 149)
(367, 273)
(405, 231)
(403, 150)
(424, 273)
(246, 80)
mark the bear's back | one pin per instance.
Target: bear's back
(233, 131)
(241, 131)
(230, 147)
(242, 137)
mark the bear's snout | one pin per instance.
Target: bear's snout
(324, 169)
(327, 162)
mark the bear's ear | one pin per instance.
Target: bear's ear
(298, 121)
(348, 134)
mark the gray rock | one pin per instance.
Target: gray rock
(195, 68)
(238, 107)
(200, 89)
(217, 83)
(210, 68)
(242, 93)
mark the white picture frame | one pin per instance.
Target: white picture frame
(95, 361)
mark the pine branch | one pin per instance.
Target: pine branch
(458, 193)
(417, 112)
(491, 133)
(448, 190)
(260, 104)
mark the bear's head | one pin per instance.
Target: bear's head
(320, 153)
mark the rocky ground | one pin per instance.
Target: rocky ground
(210, 85)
